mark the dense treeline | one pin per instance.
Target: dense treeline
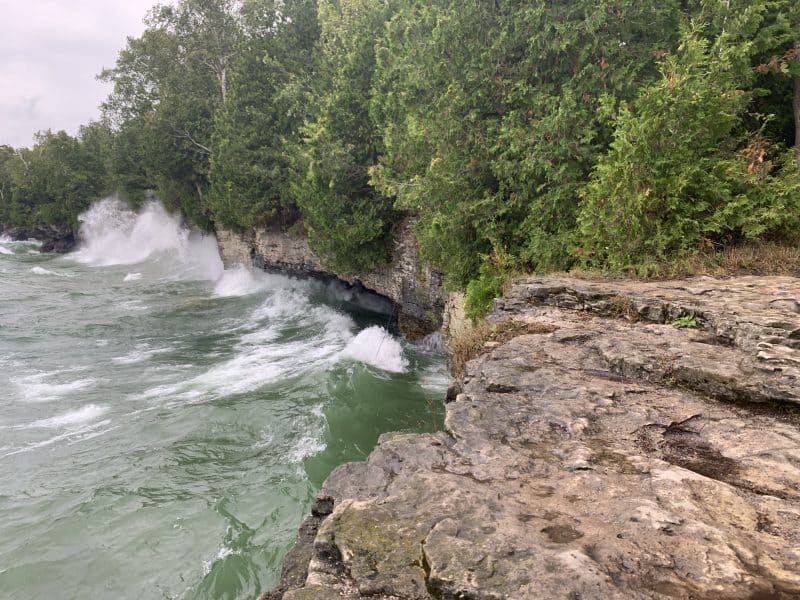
(614, 134)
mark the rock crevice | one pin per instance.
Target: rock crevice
(612, 455)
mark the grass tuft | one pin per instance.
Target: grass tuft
(764, 258)
(470, 343)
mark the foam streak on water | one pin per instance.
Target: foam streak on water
(165, 424)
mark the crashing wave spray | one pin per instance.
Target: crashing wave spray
(113, 234)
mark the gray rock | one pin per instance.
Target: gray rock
(56, 238)
(616, 457)
(413, 286)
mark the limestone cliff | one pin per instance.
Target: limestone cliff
(602, 453)
(413, 286)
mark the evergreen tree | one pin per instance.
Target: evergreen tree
(348, 222)
(257, 133)
(57, 179)
(683, 169)
(492, 113)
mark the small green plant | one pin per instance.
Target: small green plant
(686, 322)
(481, 292)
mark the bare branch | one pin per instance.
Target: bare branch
(186, 135)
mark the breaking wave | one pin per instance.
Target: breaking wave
(144, 387)
(113, 234)
(378, 348)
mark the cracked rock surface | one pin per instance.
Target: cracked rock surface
(614, 457)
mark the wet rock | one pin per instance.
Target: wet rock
(59, 239)
(413, 286)
(615, 457)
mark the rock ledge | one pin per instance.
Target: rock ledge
(615, 457)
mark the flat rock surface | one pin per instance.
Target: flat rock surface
(616, 456)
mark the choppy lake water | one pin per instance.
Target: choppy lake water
(165, 424)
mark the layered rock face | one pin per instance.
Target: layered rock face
(602, 454)
(414, 287)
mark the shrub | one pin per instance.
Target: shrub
(667, 172)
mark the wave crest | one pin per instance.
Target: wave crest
(377, 347)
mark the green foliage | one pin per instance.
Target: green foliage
(518, 136)
(674, 177)
(346, 232)
(256, 138)
(348, 221)
(492, 120)
(7, 158)
(55, 180)
(168, 85)
(666, 171)
(768, 203)
(686, 322)
(482, 291)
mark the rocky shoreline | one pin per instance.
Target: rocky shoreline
(602, 453)
(58, 239)
(414, 287)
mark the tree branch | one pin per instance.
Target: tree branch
(186, 135)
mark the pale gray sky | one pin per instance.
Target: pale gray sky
(50, 53)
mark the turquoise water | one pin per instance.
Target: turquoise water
(164, 425)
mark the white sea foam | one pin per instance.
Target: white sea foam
(91, 432)
(81, 434)
(258, 358)
(435, 379)
(222, 554)
(4, 239)
(141, 353)
(242, 281)
(81, 416)
(43, 271)
(4, 250)
(305, 448)
(250, 369)
(35, 388)
(284, 303)
(377, 347)
(132, 277)
(133, 305)
(265, 440)
(115, 235)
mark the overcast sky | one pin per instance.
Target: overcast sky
(50, 53)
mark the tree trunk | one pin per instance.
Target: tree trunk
(223, 84)
(797, 105)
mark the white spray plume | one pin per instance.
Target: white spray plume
(113, 234)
